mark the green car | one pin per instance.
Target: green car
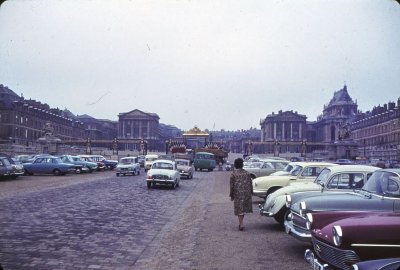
(204, 161)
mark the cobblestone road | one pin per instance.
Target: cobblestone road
(99, 221)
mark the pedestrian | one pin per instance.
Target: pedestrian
(241, 191)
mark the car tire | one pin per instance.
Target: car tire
(78, 170)
(90, 170)
(177, 184)
(117, 174)
(56, 172)
(148, 184)
(281, 216)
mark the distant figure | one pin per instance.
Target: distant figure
(241, 191)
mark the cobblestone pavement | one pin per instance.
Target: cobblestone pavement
(99, 221)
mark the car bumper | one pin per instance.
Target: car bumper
(302, 235)
(260, 193)
(315, 264)
(125, 171)
(184, 174)
(264, 212)
(161, 181)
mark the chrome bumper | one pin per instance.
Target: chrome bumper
(302, 236)
(263, 212)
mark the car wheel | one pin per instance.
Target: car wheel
(117, 174)
(90, 170)
(281, 216)
(177, 183)
(78, 170)
(27, 173)
(57, 172)
(148, 184)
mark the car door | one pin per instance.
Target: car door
(309, 173)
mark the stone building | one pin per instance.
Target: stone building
(23, 121)
(337, 114)
(377, 132)
(283, 132)
(137, 125)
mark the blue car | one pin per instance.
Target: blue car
(49, 165)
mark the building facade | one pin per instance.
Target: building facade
(377, 132)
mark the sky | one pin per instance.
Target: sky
(212, 64)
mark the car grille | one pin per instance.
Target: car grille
(160, 177)
(340, 258)
(299, 221)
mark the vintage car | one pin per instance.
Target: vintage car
(163, 172)
(380, 193)
(204, 161)
(141, 160)
(101, 166)
(379, 264)
(303, 172)
(341, 239)
(185, 168)
(108, 163)
(49, 165)
(265, 167)
(6, 169)
(17, 168)
(148, 161)
(331, 179)
(286, 170)
(128, 165)
(85, 166)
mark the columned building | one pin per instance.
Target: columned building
(283, 132)
(139, 125)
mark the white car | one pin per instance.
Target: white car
(265, 167)
(148, 161)
(338, 179)
(128, 165)
(163, 172)
(185, 168)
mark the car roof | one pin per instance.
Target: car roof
(355, 167)
(164, 161)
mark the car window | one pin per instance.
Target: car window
(162, 165)
(383, 183)
(311, 171)
(323, 176)
(267, 165)
(279, 165)
(296, 170)
(340, 181)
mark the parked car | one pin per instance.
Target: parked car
(23, 158)
(286, 170)
(265, 167)
(330, 179)
(17, 168)
(128, 165)
(341, 239)
(163, 172)
(380, 193)
(101, 166)
(185, 168)
(108, 163)
(49, 165)
(84, 167)
(6, 168)
(379, 264)
(148, 161)
(303, 172)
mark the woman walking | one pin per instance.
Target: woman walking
(241, 190)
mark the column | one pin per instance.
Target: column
(148, 129)
(283, 130)
(274, 130)
(131, 122)
(300, 133)
(140, 129)
(291, 131)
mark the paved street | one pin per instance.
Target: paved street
(100, 221)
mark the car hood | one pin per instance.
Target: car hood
(185, 168)
(349, 201)
(293, 188)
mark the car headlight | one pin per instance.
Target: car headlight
(288, 201)
(309, 221)
(302, 208)
(337, 235)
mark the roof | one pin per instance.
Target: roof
(354, 167)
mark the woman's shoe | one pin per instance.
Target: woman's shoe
(241, 228)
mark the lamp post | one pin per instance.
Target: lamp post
(88, 146)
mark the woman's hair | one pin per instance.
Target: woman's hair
(238, 163)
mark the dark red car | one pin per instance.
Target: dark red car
(341, 239)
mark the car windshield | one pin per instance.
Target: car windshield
(323, 176)
(182, 162)
(254, 165)
(126, 161)
(162, 165)
(288, 168)
(296, 170)
(151, 158)
(384, 183)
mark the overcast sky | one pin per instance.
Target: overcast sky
(214, 64)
